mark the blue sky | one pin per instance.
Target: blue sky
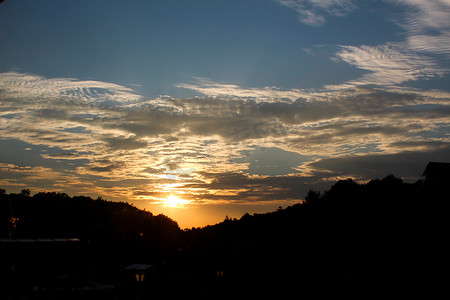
(157, 44)
(232, 106)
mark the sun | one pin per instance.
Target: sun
(174, 201)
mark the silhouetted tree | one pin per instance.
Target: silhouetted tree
(25, 192)
(312, 196)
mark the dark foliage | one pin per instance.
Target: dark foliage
(114, 229)
(353, 240)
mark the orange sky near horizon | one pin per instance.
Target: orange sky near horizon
(189, 215)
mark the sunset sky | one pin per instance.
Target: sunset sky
(201, 109)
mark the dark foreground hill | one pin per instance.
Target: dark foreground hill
(352, 240)
(116, 229)
(359, 239)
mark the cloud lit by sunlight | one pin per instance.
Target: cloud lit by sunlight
(209, 150)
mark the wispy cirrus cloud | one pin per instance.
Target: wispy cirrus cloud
(427, 34)
(17, 84)
(389, 64)
(313, 12)
(211, 88)
(427, 25)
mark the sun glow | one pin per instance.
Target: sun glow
(174, 201)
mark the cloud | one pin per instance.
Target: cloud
(389, 64)
(242, 188)
(206, 148)
(105, 130)
(129, 143)
(153, 170)
(18, 84)
(325, 105)
(311, 12)
(427, 25)
(210, 88)
(36, 178)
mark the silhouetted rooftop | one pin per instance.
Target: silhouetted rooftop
(437, 169)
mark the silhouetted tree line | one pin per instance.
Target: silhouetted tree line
(116, 230)
(355, 238)
(374, 237)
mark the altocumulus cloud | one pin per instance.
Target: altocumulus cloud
(130, 147)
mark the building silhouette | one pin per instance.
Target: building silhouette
(437, 174)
